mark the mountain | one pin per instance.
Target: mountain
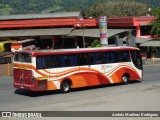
(41, 6)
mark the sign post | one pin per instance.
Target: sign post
(103, 30)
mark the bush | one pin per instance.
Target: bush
(96, 43)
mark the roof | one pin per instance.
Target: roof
(38, 16)
(96, 32)
(130, 21)
(60, 31)
(7, 41)
(139, 40)
(62, 51)
(27, 40)
(6, 54)
(35, 32)
(67, 19)
(143, 20)
(151, 43)
(142, 40)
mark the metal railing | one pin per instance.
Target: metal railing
(6, 66)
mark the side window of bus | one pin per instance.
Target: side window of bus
(53, 61)
(65, 60)
(107, 57)
(125, 56)
(93, 58)
(73, 60)
(62, 61)
(118, 56)
(101, 58)
(83, 60)
(122, 56)
(42, 62)
(112, 57)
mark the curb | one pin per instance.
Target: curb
(152, 65)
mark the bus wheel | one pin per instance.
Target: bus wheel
(66, 86)
(125, 79)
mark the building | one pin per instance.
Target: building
(68, 29)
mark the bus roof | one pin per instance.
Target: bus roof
(79, 50)
(26, 40)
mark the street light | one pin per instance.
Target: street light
(83, 35)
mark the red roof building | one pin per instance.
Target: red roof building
(66, 23)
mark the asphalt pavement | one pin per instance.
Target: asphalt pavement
(137, 96)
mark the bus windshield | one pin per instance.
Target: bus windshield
(22, 57)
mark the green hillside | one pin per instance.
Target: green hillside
(41, 6)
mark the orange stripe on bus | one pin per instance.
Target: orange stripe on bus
(28, 66)
(63, 72)
(86, 72)
(51, 85)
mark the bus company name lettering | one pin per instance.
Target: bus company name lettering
(104, 67)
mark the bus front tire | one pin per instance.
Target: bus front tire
(125, 79)
(66, 86)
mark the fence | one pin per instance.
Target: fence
(6, 63)
(5, 60)
(6, 69)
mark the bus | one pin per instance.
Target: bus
(66, 69)
(27, 44)
(5, 46)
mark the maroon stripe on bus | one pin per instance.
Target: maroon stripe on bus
(34, 54)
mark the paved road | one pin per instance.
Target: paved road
(133, 97)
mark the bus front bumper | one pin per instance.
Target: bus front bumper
(33, 87)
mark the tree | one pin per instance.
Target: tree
(116, 8)
(95, 43)
(5, 9)
(156, 24)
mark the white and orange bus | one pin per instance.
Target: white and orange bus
(27, 44)
(73, 68)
